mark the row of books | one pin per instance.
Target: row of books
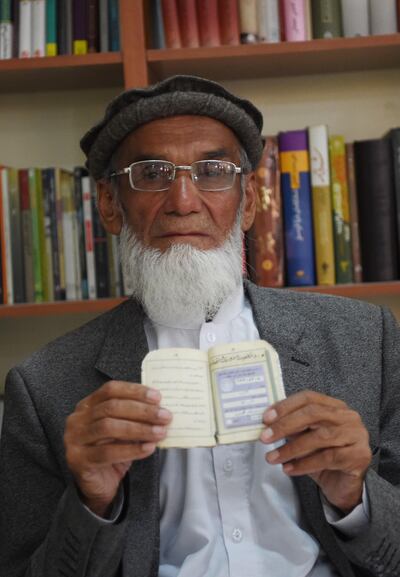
(35, 28)
(52, 244)
(327, 211)
(192, 23)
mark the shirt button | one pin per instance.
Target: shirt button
(237, 535)
(211, 337)
(228, 466)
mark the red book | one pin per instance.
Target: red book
(207, 14)
(228, 14)
(171, 24)
(188, 25)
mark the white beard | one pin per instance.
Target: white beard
(182, 286)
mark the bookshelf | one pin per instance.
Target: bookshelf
(294, 85)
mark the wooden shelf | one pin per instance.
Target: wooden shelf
(61, 72)
(59, 308)
(280, 59)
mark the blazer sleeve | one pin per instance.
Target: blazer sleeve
(377, 548)
(45, 531)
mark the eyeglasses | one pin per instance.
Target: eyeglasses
(158, 175)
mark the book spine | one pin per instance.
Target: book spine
(296, 194)
(394, 139)
(60, 234)
(37, 257)
(50, 178)
(8, 285)
(51, 28)
(89, 241)
(38, 34)
(322, 205)
(376, 210)
(79, 172)
(157, 24)
(48, 245)
(383, 14)
(103, 25)
(6, 30)
(269, 29)
(100, 248)
(44, 271)
(327, 18)
(79, 27)
(188, 25)
(341, 210)
(16, 237)
(15, 32)
(27, 238)
(171, 24)
(308, 18)
(93, 25)
(295, 20)
(25, 34)
(113, 31)
(355, 14)
(265, 239)
(355, 233)
(248, 21)
(398, 15)
(69, 234)
(207, 11)
(228, 16)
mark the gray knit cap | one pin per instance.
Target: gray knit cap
(173, 96)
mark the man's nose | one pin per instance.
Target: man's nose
(183, 196)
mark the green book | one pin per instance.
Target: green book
(327, 18)
(36, 235)
(51, 28)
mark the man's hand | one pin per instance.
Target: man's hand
(119, 423)
(325, 440)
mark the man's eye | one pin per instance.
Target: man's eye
(151, 174)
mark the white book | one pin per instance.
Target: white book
(5, 200)
(38, 37)
(89, 241)
(269, 29)
(25, 29)
(383, 16)
(6, 40)
(355, 15)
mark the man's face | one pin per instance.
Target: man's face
(183, 213)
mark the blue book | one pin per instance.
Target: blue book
(113, 19)
(297, 207)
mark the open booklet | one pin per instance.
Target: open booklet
(217, 396)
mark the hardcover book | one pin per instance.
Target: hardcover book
(51, 28)
(171, 24)
(394, 138)
(5, 239)
(208, 22)
(355, 232)
(296, 194)
(265, 238)
(228, 15)
(38, 48)
(217, 396)
(248, 21)
(79, 27)
(269, 29)
(27, 237)
(89, 240)
(6, 30)
(376, 209)
(188, 24)
(327, 18)
(48, 235)
(355, 14)
(383, 14)
(322, 204)
(341, 210)
(36, 244)
(294, 18)
(16, 237)
(25, 29)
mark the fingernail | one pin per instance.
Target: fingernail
(270, 416)
(267, 434)
(153, 394)
(164, 414)
(148, 447)
(159, 431)
(273, 456)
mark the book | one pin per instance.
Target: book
(113, 31)
(327, 18)
(321, 204)
(5, 239)
(376, 209)
(25, 30)
(308, 18)
(51, 28)
(296, 194)
(355, 16)
(38, 34)
(64, 26)
(79, 173)
(207, 11)
(355, 232)
(248, 21)
(269, 29)
(89, 240)
(93, 25)
(398, 15)
(79, 27)
(50, 212)
(103, 26)
(294, 18)
(60, 290)
(265, 238)
(228, 16)
(36, 226)
(217, 396)
(6, 30)
(16, 237)
(15, 31)
(100, 248)
(70, 233)
(156, 24)
(383, 16)
(341, 210)
(27, 236)
(188, 25)
(48, 253)
(171, 24)
(393, 137)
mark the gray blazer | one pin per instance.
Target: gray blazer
(341, 347)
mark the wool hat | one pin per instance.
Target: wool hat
(177, 95)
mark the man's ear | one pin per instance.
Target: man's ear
(109, 210)
(249, 209)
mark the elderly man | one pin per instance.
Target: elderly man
(83, 489)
